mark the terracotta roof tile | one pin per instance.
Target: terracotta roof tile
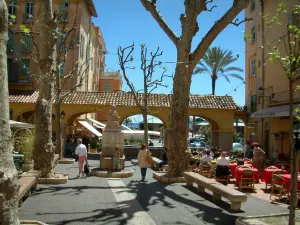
(126, 99)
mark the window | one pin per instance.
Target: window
(253, 67)
(10, 42)
(62, 70)
(29, 11)
(252, 4)
(252, 104)
(63, 9)
(253, 34)
(294, 19)
(24, 77)
(26, 43)
(107, 86)
(12, 10)
(82, 43)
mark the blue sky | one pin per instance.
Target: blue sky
(125, 21)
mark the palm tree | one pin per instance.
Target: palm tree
(216, 63)
(127, 121)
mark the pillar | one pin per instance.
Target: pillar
(214, 139)
(225, 139)
(166, 137)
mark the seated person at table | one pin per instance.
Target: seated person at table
(207, 157)
(217, 154)
(222, 168)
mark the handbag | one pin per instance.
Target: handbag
(87, 168)
(75, 157)
(149, 159)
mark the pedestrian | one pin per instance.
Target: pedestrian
(142, 159)
(151, 143)
(258, 157)
(116, 165)
(81, 152)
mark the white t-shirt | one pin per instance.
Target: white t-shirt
(207, 158)
(223, 161)
(81, 150)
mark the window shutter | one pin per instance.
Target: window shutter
(290, 18)
(249, 104)
(62, 70)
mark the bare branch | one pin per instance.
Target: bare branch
(210, 10)
(124, 58)
(151, 7)
(237, 7)
(236, 23)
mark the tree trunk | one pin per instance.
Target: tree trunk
(213, 84)
(57, 117)
(293, 164)
(178, 153)
(9, 207)
(146, 137)
(43, 154)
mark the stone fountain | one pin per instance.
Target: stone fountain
(112, 137)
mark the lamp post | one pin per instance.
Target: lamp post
(296, 136)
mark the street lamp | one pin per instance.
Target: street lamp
(296, 135)
(62, 115)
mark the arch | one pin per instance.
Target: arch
(71, 119)
(240, 117)
(124, 117)
(29, 116)
(214, 125)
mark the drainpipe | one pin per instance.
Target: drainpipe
(263, 63)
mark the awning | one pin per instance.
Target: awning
(276, 111)
(17, 124)
(90, 128)
(101, 125)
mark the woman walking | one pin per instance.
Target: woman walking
(142, 159)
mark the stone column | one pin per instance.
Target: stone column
(225, 140)
(166, 137)
(214, 139)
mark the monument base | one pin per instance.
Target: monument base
(106, 163)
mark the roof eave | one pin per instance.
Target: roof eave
(91, 8)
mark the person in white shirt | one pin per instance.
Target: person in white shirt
(207, 157)
(222, 165)
(81, 152)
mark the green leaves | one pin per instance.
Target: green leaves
(24, 29)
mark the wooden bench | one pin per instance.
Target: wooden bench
(28, 182)
(156, 163)
(218, 190)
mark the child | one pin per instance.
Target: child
(116, 165)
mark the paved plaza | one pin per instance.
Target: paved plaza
(113, 201)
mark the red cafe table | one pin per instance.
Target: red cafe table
(233, 166)
(287, 181)
(239, 172)
(267, 175)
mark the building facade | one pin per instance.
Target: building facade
(267, 85)
(109, 82)
(22, 70)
